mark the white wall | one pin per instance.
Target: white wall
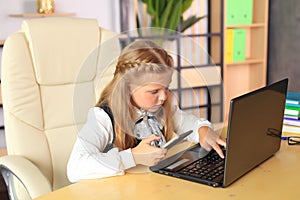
(105, 11)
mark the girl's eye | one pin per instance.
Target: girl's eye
(154, 91)
(166, 90)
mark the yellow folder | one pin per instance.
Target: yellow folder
(229, 45)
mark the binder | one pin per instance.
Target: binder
(237, 14)
(232, 10)
(239, 44)
(246, 12)
(229, 45)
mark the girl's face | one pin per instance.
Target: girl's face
(150, 97)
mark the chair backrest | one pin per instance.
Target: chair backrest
(51, 72)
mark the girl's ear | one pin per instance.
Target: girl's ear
(130, 89)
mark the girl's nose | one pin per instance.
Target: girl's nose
(163, 95)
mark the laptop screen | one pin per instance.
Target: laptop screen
(254, 129)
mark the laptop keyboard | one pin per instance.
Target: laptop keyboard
(208, 168)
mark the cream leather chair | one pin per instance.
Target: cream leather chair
(53, 70)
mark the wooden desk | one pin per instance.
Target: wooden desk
(277, 178)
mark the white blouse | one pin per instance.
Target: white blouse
(87, 159)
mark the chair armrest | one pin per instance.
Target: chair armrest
(29, 175)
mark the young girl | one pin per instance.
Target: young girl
(134, 117)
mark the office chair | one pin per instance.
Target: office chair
(53, 70)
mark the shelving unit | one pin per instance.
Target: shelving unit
(33, 15)
(196, 90)
(244, 76)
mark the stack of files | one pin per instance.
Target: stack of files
(235, 45)
(291, 121)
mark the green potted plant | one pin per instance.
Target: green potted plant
(167, 15)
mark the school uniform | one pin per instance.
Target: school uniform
(89, 158)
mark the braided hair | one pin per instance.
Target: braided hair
(139, 58)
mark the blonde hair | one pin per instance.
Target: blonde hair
(137, 59)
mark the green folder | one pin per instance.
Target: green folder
(239, 44)
(232, 10)
(237, 14)
(245, 12)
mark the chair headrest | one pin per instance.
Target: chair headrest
(50, 38)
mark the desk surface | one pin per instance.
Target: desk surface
(277, 178)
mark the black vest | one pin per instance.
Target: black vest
(108, 111)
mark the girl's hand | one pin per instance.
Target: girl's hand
(209, 139)
(148, 155)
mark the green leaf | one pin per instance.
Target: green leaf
(185, 24)
(162, 6)
(175, 16)
(186, 5)
(166, 14)
(150, 8)
(157, 13)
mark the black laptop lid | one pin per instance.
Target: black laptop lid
(254, 129)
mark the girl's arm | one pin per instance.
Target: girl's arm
(87, 159)
(184, 121)
(202, 131)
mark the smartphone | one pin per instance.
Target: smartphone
(175, 140)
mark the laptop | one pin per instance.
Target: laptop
(253, 136)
